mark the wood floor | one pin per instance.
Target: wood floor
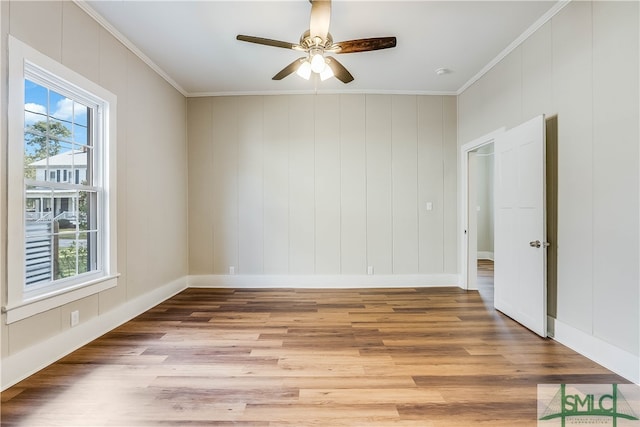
(361, 357)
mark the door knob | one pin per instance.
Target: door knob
(537, 244)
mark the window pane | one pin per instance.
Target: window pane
(76, 254)
(35, 103)
(32, 114)
(37, 147)
(66, 226)
(38, 127)
(60, 107)
(38, 203)
(38, 235)
(38, 260)
(80, 113)
(63, 160)
(35, 94)
(80, 134)
(59, 131)
(87, 255)
(87, 204)
(35, 156)
(79, 165)
(80, 123)
(66, 261)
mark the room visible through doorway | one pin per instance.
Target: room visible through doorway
(480, 209)
(485, 281)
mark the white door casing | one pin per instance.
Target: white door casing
(520, 289)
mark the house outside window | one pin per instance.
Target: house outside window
(62, 233)
(62, 191)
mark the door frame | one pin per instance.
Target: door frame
(463, 163)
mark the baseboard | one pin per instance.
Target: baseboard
(611, 357)
(485, 255)
(24, 363)
(323, 281)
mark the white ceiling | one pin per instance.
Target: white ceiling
(193, 45)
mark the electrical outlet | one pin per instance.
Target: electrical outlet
(75, 318)
(232, 270)
(370, 269)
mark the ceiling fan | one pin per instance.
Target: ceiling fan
(316, 42)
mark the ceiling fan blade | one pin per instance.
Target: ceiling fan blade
(267, 42)
(289, 69)
(339, 71)
(363, 45)
(320, 19)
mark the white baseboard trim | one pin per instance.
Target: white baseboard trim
(485, 255)
(611, 357)
(24, 363)
(323, 281)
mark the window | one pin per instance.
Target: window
(61, 199)
(63, 240)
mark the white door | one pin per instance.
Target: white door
(520, 289)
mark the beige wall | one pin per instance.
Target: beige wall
(322, 184)
(582, 66)
(151, 160)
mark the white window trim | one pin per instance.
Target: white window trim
(20, 305)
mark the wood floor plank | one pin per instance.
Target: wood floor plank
(429, 357)
(302, 413)
(370, 396)
(361, 382)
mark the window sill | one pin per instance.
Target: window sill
(48, 302)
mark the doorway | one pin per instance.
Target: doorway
(480, 211)
(548, 242)
(476, 166)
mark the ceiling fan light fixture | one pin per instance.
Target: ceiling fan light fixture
(304, 70)
(318, 63)
(327, 73)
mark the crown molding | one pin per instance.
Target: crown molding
(129, 44)
(321, 92)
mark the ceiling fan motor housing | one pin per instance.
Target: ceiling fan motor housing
(308, 42)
